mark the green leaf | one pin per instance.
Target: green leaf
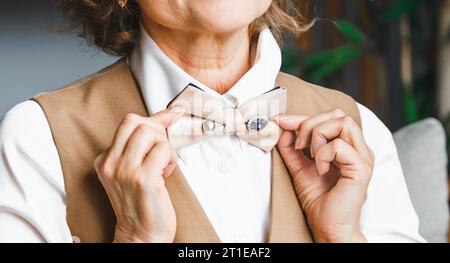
(351, 32)
(398, 9)
(318, 58)
(411, 112)
(340, 57)
(290, 60)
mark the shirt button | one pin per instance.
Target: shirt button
(240, 237)
(223, 167)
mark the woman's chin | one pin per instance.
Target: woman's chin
(215, 26)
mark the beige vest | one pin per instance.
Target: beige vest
(83, 118)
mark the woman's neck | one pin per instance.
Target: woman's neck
(218, 61)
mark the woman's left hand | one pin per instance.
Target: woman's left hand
(332, 185)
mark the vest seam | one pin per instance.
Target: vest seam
(83, 81)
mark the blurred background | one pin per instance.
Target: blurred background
(391, 55)
(394, 57)
(34, 57)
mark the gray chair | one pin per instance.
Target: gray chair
(422, 151)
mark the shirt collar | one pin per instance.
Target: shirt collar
(160, 79)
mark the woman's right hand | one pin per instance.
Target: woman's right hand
(133, 172)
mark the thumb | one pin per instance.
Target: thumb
(290, 122)
(169, 116)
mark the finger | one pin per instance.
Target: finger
(169, 170)
(344, 128)
(140, 143)
(131, 121)
(290, 122)
(294, 159)
(372, 154)
(123, 132)
(172, 164)
(169, 116)
(98, 161)
(350, 163)
(155, 126)
(160, 156)
(287, 139)
(303, 140)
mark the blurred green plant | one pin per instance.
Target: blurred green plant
(419, 102)
(398, 9)
(322, 64)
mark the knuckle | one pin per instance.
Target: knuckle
(316, 133)
(106, 170)
(162, 145)
(165, 147)
(145, 134)
(366, 175)
(161, 128)
(138, 182)
(320, 153)
(130, 118)
(371, 157)
(337, 112)
(98, 161)
(123, 170)
(338, 144)
(305, 126)
(143, 129)
(158, 126)
(348, 121)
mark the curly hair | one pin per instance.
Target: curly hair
(115, 29)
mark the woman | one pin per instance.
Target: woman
(96, 162)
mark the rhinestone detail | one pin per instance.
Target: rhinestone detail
(209, 126)
(257, 123)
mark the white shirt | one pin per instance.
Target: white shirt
(230, 177)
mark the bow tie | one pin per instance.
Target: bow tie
(207, 115)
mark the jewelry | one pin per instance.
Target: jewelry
(207, 115)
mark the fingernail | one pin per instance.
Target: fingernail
(169, 169)
(178, 109)
(172, 168)
(323, 168)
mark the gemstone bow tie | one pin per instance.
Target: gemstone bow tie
(207, 115)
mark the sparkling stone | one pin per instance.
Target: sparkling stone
(257, 123)
(209, 126)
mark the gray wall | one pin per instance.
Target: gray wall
(33, 58)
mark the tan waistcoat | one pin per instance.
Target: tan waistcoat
(83, 118)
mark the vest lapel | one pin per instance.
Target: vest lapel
(193, 226)
(287, 222)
